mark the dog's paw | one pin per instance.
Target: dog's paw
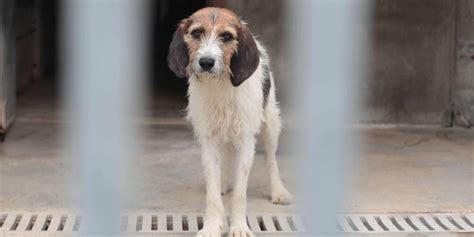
(240, 232)
(211, 229)
(281, 196)
(208, 232)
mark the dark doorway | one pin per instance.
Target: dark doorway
(40, 96)
(167, 90)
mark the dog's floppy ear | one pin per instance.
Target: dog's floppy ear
(244, 63)
(178, 57)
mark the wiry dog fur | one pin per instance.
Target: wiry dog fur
(229, 104)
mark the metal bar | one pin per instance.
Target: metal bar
(54, 224)
(104, 57)
(7, 224)
(39, 223)
(24, 222)
(323, 100)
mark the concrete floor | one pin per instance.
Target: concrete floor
(415, 170)
(398, 169)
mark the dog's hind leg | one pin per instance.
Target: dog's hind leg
(270, 134)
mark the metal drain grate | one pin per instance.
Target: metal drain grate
(31, 223)
(34, 224)
(427, 222)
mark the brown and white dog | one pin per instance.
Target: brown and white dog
(231, 98)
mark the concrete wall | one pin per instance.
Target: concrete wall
(27, 43)
(412, 62)
(463, 88)
(7, 65)
(422, 58)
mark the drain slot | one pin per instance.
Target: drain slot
(440, 223)
(351, 224)
(410, 223)
(455, 223)
(154, 222)
(124, 223)
(62, 223)
(381, 224)
(366, 224)
(467, 221)
(139, 223)
(169, 223)
(291, 223)
(200, 222)
(77, 223)
(16, 222)
(2, 219)
(423, 221)
(395, 223)
(31, 223)
(46, 223)
(184, 223)
(276, 223)
(261, 224)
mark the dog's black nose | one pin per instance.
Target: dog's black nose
(206, 63)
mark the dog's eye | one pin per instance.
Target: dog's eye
(197, 33)
(226, 36)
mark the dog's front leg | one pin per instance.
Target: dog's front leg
(215, 212)
(245, 156)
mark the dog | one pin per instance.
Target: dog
(231, 99)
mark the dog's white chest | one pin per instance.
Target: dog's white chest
(219, 111)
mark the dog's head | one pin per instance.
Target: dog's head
(213, 42)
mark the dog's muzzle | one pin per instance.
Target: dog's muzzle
(207, 64)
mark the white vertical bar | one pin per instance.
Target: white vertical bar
(414, 219)
(132, 223)
(388, 223)
(192, 223)
(70, 220)
(146, 222)
(325, 47)
(343, 222)
(429, 219)
(402, 222)
(461, 222)
(7, 224)
(298, 220)
(253, 222)
(39, 223)
(177, 223)
(103, 45)
(358, 223)
(373, 223)
(444, 219)
(25, 220)
(55, 220)
(285, 227)
(470, 216)
(162, 222)
(267, 219)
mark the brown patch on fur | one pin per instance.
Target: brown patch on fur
(178, 57)
(247, 59)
